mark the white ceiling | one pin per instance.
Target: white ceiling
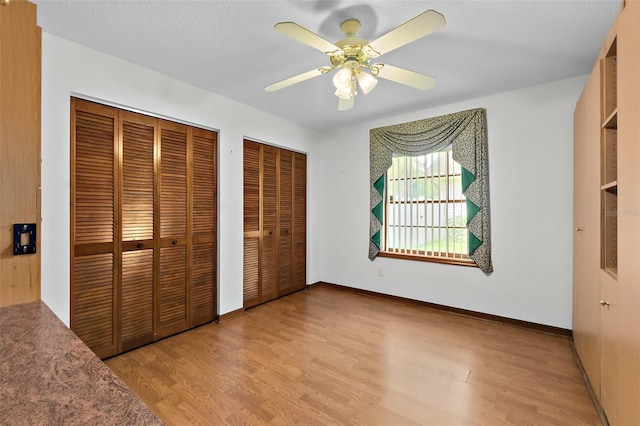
(230, 47)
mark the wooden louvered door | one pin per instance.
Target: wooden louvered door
(269, 220)
(252, 235)
(144, 227)
(173, 303)
(274, 222)
(285, 223)
(300, 222)
(93, 232)
(203, 231)
(137, 135)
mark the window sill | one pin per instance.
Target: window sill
(433, 259)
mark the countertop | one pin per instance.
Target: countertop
(48, 376)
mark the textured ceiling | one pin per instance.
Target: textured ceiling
(231, 48)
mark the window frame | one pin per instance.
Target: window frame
(460, 259)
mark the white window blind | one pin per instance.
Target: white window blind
(425, 208)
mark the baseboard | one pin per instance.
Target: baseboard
(230, 315)
(587, 382)
(489, 317)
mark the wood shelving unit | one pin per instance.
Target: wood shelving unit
(609, 162)
(606, 271)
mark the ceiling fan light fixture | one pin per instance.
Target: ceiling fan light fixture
(367, 82)
(344, 92)
(342, 79)
(350, 56)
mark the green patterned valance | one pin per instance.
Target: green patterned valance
(466, 132)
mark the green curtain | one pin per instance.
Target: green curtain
(466, 132)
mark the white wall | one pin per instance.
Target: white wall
(68, 68)
(530, 134)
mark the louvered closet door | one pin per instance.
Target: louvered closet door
(174, 250)
(285, 233)
(268, 249)
(251, 196)
(300, 222)
(138, 135)
(204, 220)
(93, 234)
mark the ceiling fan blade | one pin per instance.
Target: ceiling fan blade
(418, 27)
(297, 79)
(302, 34)
(345, 104)
(403, 76)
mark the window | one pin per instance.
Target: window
(425, 210)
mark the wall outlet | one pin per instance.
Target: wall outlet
(380, 273)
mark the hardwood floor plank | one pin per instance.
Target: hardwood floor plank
(326, 357)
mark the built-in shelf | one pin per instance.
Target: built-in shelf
(613, 272)
(609, 162)
(611, 122)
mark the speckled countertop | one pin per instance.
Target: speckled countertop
(49, 377)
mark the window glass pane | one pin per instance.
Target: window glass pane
(456, 214)
(425, 208)
(454, 167)
(420, 167)
(458, 240)
(455, 188)
(436, 188)
(391, 216)
(421, 213)
(442, 162)
(401, 167)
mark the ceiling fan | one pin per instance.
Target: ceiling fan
(352, 54)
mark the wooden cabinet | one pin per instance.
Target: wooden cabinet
(586, 238)
(274, 222)
(20, 70)
(607, 301)
(144, 221)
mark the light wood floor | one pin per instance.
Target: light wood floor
(325, 356)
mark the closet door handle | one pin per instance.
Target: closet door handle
(140, 245)
(174, 242)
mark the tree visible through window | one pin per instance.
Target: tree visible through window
(425, 210)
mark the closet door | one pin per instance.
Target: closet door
(252, 207)
(269, 225)
(137, 135)
(300, 222)
(285, 223)
(274, 222)
(204, 223)
(143, 261)
(94, 229)
(173, 303)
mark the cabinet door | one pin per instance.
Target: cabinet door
(204, 223)
(268, 247)
(137, 138)
(251, 198)
(285, 223)
(93, 233)
(586, 241)
(300, 222)
(173, 286)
